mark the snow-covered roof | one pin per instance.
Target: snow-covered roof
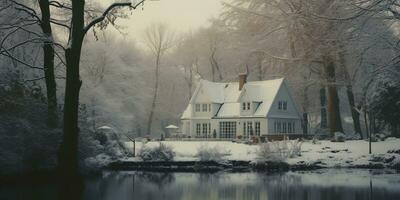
(171, 127)
(229, 96)
(220, 92)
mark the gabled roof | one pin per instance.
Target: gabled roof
(229, 96)
(219, 92)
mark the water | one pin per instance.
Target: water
(316, 185)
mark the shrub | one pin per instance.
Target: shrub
(279, 151)
(159, 153)
(205, 153)
(338, 137)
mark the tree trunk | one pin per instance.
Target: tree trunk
(354, 113)
(214, 65)
(350, 95)
(305, 107)
(334, 119)
(68, 157)
(324, 118)
(153, 104)
(48, 61)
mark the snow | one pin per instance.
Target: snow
(331, 154)
(172, 127)
(229, 95)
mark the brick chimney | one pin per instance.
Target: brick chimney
(242, 80)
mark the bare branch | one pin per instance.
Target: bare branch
(103, 16)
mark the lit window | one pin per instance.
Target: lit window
(197, 107)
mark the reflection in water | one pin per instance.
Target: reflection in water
(324, 185)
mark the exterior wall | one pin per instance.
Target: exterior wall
(215, 125)
(291, 111)
(271, 126)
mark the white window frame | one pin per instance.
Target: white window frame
(227, 129)
(257, 128)
(204, 107)
(204, 129)
(198, 129)
(197, 107)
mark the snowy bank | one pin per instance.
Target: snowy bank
(323, 154)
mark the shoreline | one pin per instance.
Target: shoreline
(233, 166)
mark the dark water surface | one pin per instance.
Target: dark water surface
(316, 185)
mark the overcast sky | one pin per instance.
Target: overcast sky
(180, 15)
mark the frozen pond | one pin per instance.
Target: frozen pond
(324, 185)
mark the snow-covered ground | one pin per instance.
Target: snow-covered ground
(325, 153)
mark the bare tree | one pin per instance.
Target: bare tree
(159, 40)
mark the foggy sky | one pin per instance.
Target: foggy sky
(180, 15)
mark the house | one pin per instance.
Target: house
(242, 110)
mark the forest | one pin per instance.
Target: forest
(68, 68)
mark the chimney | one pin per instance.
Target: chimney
(242, 80)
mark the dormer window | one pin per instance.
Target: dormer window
(197, 107)
(282, 105)
(246, 106)
(205, 106)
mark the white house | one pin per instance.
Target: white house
(242, 110)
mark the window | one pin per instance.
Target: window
(198, 129)
(281, 126)
(294, 125)
(279, 130)
(204, 106)
(244, 129)
(227, 129)
(246, 105)
(282, 105)
(205, 129)
(249, 128)
(257, 128)
(197, 107)
(209, 129)
(209, 107)
(284, 127)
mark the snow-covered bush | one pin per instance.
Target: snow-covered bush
(279, 151)
(338, 137)
(353, 136)
(160, 153)
(100, 148)
(205, 153)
